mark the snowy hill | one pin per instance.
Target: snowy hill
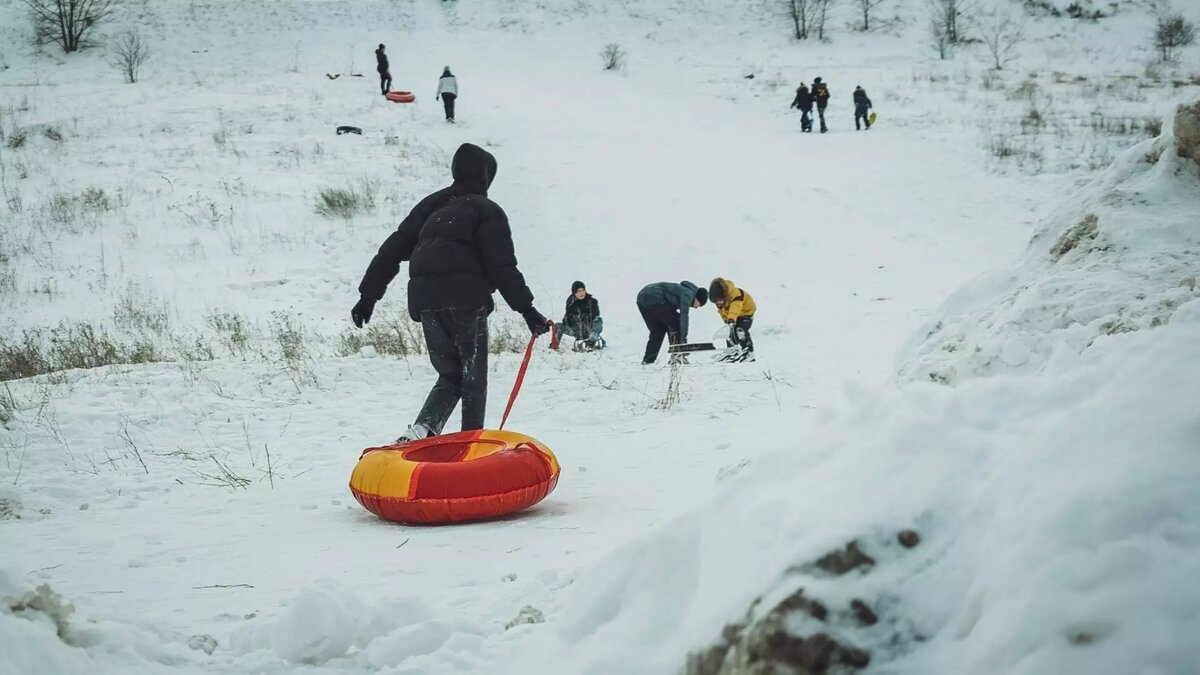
(184, 398)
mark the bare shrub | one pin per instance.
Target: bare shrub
(233, 332)
(673, 393)
(938, 39)
(865, 7)
(612, 56)
(950, 18)
(69, 346)
(396, 336)
(129, 52)
(138, 311)
(62, 209)
(345, 203)
(803, 15)
(8, 275)
(53, 133)
(95, 200)
(289, 336)
(1171, 31)
(17, 139)
(8, 412)
(1002, 33)
(507, 335)
(66, 23)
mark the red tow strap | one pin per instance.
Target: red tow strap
(512, 398)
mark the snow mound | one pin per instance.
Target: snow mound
(1120, 257)
(41, 633)
(1058, 530)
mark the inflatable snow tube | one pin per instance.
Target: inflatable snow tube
(400, 96)
(470, 475)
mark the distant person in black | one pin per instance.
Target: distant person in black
(820, 94)
(381, 65)
(460, 250)
(861, 105)
(804, 102)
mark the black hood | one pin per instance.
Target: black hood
(473, 169)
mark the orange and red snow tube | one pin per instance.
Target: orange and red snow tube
(470, 475)
(400, 96)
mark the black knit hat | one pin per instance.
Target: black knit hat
(702, 296)
(577, 285)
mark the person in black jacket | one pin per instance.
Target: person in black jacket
(460, 250)
(664, 307)
(820, 93)
(582, 319)
(385, 73)
(861, 105)
(804, 102)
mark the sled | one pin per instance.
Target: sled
(871, 118)
(689, 347)
(400, 96)
(347, 129)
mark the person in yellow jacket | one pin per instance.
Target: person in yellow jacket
(736, 308)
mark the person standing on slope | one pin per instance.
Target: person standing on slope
(664, 307)
(861, 105)
(460, 250)
(448, 92)
(385, 73)
(820, 93)
(736, 308)
(804, 102)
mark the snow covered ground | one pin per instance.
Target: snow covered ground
(195, 512)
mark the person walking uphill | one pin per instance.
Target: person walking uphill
(804, 102)
(664, 307)
(385, 73)
(820, 94)
(861, 105)
(448, 92)
(460, 250)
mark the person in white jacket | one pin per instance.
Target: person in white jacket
(448, 91)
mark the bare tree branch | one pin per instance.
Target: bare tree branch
(66, 22)
(129, 53)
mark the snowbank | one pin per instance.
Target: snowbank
(1121, 256)
(1060, 529)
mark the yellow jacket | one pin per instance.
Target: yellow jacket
(738, 303)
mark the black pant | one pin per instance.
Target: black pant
(821, 114)
(448, 104)
(458, 349)
(385, 81)
(663, 321)
(860, 113)
(806, 120)
(739, 334)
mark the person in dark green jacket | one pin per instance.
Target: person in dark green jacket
(664, 307)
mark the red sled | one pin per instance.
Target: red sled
(400, 96)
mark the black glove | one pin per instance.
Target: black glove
(361, 314)
(538, 324)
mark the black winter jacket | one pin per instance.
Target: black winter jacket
(381, 62)
(458, 244)
(820, 94)
(581, 312)
(860, 99)
(803, 100)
